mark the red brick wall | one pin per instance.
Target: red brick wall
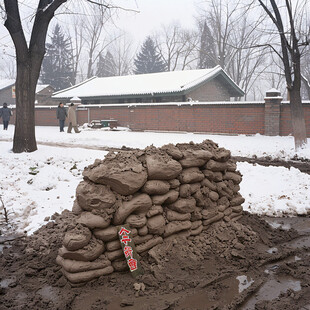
(285, 119)
(233, 118)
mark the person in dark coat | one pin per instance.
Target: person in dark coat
(61, 116)
(6, 114)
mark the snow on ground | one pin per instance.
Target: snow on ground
(36, 185)
(274, 191)
(241, 145)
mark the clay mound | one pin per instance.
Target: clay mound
(77, 238)
(122, 172)
(162, 167)
(91, 196)
(207, 145)
(160, 193)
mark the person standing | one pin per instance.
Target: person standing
(61, 116)
(72, 119)
(6, 114)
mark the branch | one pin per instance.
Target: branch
(108, 6)
(14, 26)
(265, 45)
(45, 13)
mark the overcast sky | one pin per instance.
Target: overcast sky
(150, 15)
(154, 13)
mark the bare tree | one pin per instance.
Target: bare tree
(29, 58)
(177, 46)
(78, 43)
(122, 51)
(94, 37)
(8, 68)
(305, 76)
(220, 16)
(274, 75)
(235, 40)
(292, 41)
(249, 61)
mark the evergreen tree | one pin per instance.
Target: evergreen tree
(207, 52)
(148, 60)
(57, 66)
(106, 65)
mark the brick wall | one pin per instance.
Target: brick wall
(231, 118)
(285, 119)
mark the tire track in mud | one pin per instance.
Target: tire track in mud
(301, 164)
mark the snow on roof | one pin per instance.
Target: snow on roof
(6, 83)
(75, 99)
(41, 87)
(142, 84)
(10, 82)
(273, 90)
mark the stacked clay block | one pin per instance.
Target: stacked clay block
(162, 193)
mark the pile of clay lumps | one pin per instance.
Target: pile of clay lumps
(161, 193)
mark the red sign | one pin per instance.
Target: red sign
(128, 246)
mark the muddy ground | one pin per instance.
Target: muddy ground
(254, 263)
(243, 265)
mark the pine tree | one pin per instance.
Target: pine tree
(106, 65)
(57, 66)
(148, 60)
(207, 53)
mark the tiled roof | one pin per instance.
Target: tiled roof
(144, 84)
(11, 82)
(6, 83)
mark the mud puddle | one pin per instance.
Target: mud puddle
(5, 241)
(49, 293)
(5, 283)
(301, 224)
(271, 290)
(106, 300)
(2, 246)
(217, 295)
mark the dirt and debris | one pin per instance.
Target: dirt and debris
(252, 263)
(236, 265)
(302, 164)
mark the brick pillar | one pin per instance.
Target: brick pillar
(273, 101)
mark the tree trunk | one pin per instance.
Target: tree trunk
(24, 136)
(298, 120)
(28, 61)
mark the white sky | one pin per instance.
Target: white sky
(149, 15)
(154, 13)
(30, 198)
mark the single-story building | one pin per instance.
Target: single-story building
(44, 95)
(174, 86)
(7, 93)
